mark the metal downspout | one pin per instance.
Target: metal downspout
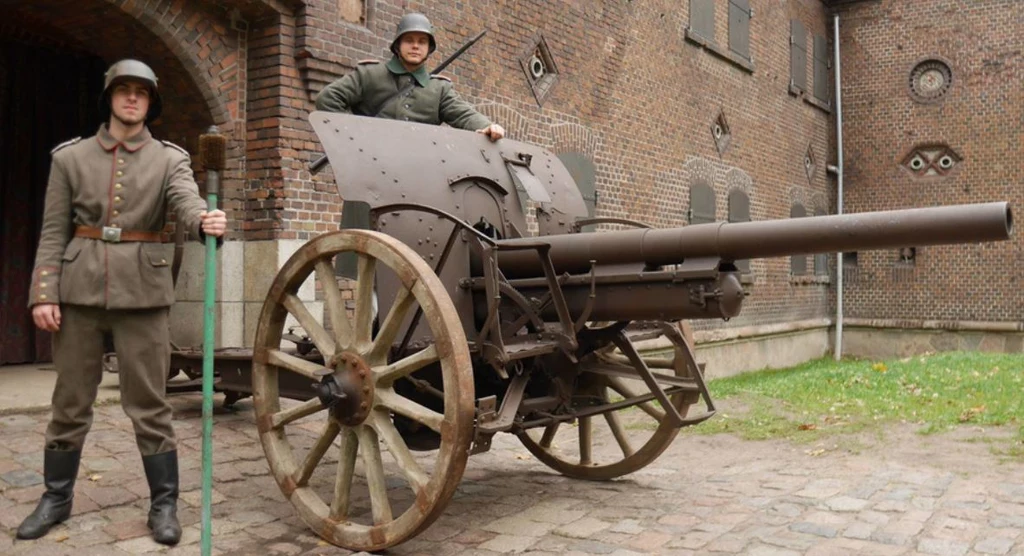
(839, 192)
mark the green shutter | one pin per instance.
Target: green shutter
(739, 211)
(821, 68)
(739, 27)
(798, 55)
(584, 174)
(702, 203)
(702, 18)
(798, 263)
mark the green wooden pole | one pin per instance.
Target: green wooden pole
(212, 148)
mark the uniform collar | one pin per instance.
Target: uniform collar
(395, 66)
(132, 144)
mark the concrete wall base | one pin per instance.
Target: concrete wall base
(245, 271)
(875, 343)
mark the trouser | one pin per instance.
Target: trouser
(143, 346)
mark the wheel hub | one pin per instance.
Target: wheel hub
(348, 392)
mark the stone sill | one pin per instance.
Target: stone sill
(727, 55)
(809, 279)
(824, 106)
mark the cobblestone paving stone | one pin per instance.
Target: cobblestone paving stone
(705, 495)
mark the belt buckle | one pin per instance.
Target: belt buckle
(112, 235)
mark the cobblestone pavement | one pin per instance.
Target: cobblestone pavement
(705, 495)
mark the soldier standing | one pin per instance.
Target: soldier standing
(402, 88)
(100, 269)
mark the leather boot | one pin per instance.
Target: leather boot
(60, 467)
(162, 475)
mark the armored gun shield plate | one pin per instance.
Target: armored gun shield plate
(380, 162)
(338, 456)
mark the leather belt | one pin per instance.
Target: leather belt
(117, 235)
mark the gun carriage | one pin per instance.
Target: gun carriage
(461, 325)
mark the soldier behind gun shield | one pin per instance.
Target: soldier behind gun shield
(403, 89)
(100, 270)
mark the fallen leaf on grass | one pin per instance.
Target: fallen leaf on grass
(60, 537)
(95, 477)
(817, 452)
(807, 427)
(880, 367)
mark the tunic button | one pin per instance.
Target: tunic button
(116, 213)
(42, 284)
(117, 199)
(44, 273)
(120, 173)
(117, 186)
(42, 296)
(408, 105)
(120, 161)
(163, 261)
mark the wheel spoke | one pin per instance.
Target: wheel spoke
(316, 453)
(375, 479)
(549, 435)
(364, 301)
(294, 364)
(381, 422)
(406, 366)
(316, 331)
(586, 440)
(335, 305)
(616, 384)
(400, 404)
(304, 409)
(619, 433)
(343, 479)
(389, 330)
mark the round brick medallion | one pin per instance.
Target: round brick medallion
(930, 80)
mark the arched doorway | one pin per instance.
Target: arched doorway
(54, 53)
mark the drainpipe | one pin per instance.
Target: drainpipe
(839, 180)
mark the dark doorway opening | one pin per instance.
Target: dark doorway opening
(48, 95)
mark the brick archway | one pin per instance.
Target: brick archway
(54, 54)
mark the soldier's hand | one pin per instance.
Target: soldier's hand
(47, 316)
(493, 131)
(214, 223)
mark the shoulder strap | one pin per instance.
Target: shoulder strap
(67, 143)
(175, 147)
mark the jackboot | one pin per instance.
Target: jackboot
(60, 467)
(162, 476)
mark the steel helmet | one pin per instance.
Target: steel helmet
(414, 22)
(131, 69)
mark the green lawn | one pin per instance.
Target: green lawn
(937, 392)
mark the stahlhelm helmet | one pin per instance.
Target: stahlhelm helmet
(135, 70)
(414, 22)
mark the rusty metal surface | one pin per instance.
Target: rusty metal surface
(386, 161)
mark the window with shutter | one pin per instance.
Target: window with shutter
(702, 18)
(583, 172)
(821, 65)
(820, 259)
(739, 27)
(798, 263)
(797, 57)
(702, 203)
(739, 211)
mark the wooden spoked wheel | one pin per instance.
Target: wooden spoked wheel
(363, 497)
(608, 445)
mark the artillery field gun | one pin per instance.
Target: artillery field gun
(461, 326)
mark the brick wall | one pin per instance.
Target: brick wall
(634, 96)
(979, 117)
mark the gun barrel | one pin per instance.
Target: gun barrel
(573, 253)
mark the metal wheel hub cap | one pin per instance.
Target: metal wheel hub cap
(348, 392)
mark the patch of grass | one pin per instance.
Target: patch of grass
(937, 392)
